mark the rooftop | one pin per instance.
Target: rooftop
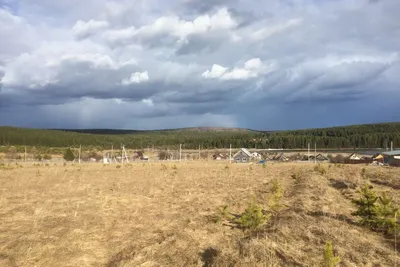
(392, 153)
(246, 152)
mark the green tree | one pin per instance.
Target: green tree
(386, 214)
(69, 155)
(367, 209)
(330, 260)
(253, 217)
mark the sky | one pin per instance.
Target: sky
(156, 64)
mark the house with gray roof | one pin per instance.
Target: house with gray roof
(243, 155)
(392, 157)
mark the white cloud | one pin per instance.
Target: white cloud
(175, 27)
(216, 72)
(137, 77)
(120, 35)
(268, 31)
(16, 34)
(83, 29)
(52, 63)
(254, 63)
(252, 68)
(148, 102)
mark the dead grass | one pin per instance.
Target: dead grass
(153, 214)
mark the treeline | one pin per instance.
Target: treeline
(358, 136)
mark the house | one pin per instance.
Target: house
(243, 155)
(392, 158)
(256, 155)
(378, 157)
(357, 159)
(267, 157)
(319, 158)
(144, 157)
(219, 156)
(354, 156)
(281, 157)
(295, 157)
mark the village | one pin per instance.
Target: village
(244, 155)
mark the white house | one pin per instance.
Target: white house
(256, 155)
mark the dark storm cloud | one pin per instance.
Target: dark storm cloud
(204, 6)
(142, 65)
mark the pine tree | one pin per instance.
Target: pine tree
(367, 208)
(253, 217)
(69, 155)
(330, 260)
(386, 214)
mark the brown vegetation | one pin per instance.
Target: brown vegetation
(184, 214)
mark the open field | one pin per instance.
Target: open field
(156, 214)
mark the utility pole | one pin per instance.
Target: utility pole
(122, 154)
(315, 153)
(112, 153)
(25, 154)
(230, 153)
(79, 155)
(308, 149)
(180, 152)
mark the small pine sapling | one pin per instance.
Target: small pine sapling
(386, 214)
(253, 217)
(264, 165)
(275, 201)
(330, 260)
(221, 214)
(225, 213)
(366, 204)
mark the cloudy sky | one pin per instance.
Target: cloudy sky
(151, 64)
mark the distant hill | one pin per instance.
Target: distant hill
(193, 129)
(354, 136)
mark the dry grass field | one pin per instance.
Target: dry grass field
(156, 214)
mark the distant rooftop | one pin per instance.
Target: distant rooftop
(246, 152)
(392, 153)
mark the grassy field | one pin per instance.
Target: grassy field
(156, 214)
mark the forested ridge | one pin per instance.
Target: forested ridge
(356, 136)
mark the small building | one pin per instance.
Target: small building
(354, 156)
(243, 155)
(319, 157)
(378, 157)
(281, 157)
(144, 157)
(392, 158)
(357, 159)
(219, 156)
(256, 155)
(266, 156)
